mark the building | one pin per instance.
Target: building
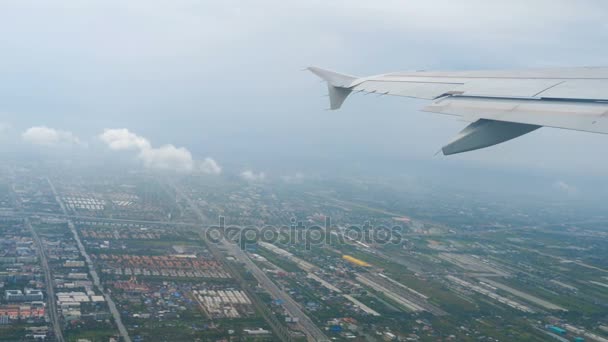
(32, 295)
(17, 296)
(556, 330)
(256, 332)
(355, 261)
(389, 336)
(73, 264)
(81, 276)
(12, 296)
(72, 314)
(16, 312)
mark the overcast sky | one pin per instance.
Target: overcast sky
(223, 79)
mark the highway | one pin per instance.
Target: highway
(313, 333)
(102, 219)
(310, 329)
(96, 281)
(50, 289)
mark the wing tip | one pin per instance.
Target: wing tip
(338, 85)
(336, 79)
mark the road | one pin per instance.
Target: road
(103, 219)
(50, 288)
(559, 258)
(96, 281)
(313, 333)
(310, 329)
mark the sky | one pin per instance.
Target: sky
(206, 86)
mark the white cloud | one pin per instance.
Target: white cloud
(210, 166)
(42, 135)
(566, 188)
(155, 58)
(166, 157)
(252, 176)
(122, 139)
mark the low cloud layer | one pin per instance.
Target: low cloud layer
(251, 176)
(90, 78)
(166, 157)
(122, 139)
(210, 166)
(566, 188)
(298, 177)
(42, 135)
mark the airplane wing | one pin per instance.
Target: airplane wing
(501, 105)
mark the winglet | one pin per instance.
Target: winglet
(338, 85)
(334, 78)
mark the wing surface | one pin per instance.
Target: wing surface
(568, 98)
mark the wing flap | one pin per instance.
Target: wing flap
(529, 88)
(421, 90)
(581, 116)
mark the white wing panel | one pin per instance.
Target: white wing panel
(501, 104)
(579, 89)
(589, 117)
(431, 88)
(550, 73)
(423, 90)
(507, 87)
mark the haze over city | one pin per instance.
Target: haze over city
(133, 131)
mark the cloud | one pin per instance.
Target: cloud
(4, 127)
(42, 135)
(166, 157)
(297, 178)
(122, 139)
(252, 176)
(566, 188)
(154, 59)
(210, 166)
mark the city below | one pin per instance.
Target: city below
(93, 255)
